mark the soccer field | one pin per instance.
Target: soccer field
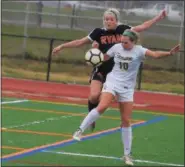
(39, 133)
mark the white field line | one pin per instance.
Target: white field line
(62, 97)
(37, 122)
(16, 101)
(110, 157)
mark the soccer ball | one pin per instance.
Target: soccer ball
(94, 57)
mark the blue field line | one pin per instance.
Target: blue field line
(157, 119)
(63, 144)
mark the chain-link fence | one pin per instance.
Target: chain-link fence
(72, 19)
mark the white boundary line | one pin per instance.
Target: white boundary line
(109, 157)
(11, 102)
(50, 82)
(38, 122)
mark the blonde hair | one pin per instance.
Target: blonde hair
(114, 12)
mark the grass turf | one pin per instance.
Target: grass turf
(160, 142)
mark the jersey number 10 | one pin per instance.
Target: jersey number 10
(123, 65)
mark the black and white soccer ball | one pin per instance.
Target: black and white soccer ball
(94, 57)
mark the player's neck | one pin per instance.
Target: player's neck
(109, 29)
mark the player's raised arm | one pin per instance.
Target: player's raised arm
(72, 44)
(149, 23)
(158, 54)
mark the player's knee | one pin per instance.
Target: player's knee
(94, 97)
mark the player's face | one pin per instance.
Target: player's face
(127, 43)
(110, 22)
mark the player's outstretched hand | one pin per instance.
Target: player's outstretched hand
(56, 50)
(162, 15)
(175, 49)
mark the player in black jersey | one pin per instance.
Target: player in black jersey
(105, 37)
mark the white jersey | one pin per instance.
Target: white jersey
(127, 62)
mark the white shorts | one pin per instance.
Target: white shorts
(123, 95)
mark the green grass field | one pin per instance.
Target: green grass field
(30, 125)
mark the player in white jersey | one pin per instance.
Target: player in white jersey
(121, 82)
(123, 76)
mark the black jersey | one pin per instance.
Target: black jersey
(106, 39)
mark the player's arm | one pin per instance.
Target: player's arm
(149, 23)
(158, 54)
(110, 53)
(95, 45)
(72, 44)
(106, 57)
(79, 42)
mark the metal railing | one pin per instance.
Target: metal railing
(49, 57)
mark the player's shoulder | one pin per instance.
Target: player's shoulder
(139, 47)
(98, 29)
(95, 33)
(117, 46)
(123, 26)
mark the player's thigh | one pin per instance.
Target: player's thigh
(126, 95)
(125, 100)
(107, 95)
(95, 75)
(95, 89)
(105, 101)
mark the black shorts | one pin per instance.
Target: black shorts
(99, 73)
(95, 75)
